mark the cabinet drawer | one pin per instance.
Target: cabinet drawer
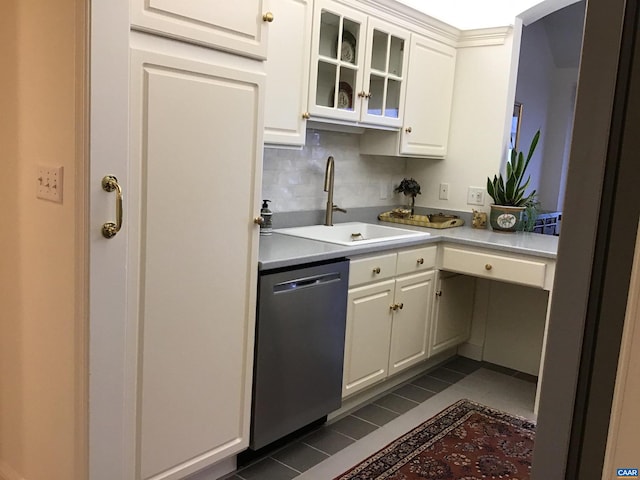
(416, 260)
(369, 269)
(496, 267)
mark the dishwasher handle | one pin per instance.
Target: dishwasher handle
(307, 282)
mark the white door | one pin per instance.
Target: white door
(431, 71)
(173, 292)
(411, 321)
(240, 26)
(366, 354)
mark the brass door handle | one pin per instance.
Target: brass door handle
(110, 184)
(376, 270)
(258, 221)
(488, 266)
(408, 130)
(268, 17)
(420, 261)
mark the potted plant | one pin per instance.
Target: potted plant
(510, 198)
(410, 188)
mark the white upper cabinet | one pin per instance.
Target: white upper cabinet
(287, 69)
(240, 26)
(429, 95)
(357, 68)
(427, 106)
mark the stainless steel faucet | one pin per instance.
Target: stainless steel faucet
(328, 187)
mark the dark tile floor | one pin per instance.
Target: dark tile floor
(309, 450)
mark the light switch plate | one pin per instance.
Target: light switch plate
(49, 183)
(475, 196)
(444, 191)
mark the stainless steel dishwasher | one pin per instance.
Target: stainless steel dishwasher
(299, 351)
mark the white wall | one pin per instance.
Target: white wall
(480, 121)
(294, 179)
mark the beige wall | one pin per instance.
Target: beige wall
(41, 379)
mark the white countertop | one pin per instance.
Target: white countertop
(277, 251)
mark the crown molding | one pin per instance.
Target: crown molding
(484, 37)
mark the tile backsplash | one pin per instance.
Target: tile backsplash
(293, 179)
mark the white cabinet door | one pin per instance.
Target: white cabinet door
(287, 69)
(196, 131)
(236, 26)
(454, 308)
(358, 67)
(385, 74)
(427, 114)
(338, 61)
(411, 321)
(366, 355)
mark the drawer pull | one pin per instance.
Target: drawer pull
(420, 261)
(376, 270)
(488, 266)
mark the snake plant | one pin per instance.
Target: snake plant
(512, 191)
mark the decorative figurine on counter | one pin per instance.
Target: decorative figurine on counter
(410, 188)
(479, 219)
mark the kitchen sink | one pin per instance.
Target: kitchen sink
(352, 233)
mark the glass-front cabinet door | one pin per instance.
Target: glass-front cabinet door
(337, 66)
(384, 80)
(358, 67)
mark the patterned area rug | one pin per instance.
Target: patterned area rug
(467, 441)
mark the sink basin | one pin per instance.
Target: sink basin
(352, 233)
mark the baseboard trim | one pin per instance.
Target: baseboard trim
(8, 473)
(471, 350)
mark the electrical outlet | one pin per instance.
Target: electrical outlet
(475, 196)
(444, 191)
(49, 183)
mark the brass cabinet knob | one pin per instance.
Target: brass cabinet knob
(393, 307)
(306, 115)
(362, 94)
(439, 293)
(401, 306)
(268, 17)
(376, 270)
(408, 130)
(258, 220)
(420, 261)
(368, 95)
(488, 266)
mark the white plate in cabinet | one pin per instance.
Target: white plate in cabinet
(496, 267)
(366, 354)
(416, 260)
(411, 320)
(372, 269)
(239, 27)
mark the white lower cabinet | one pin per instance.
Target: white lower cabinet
(388, 320)
(453, 311)
(411, 321)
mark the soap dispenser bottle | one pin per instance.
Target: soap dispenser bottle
(266, 226)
